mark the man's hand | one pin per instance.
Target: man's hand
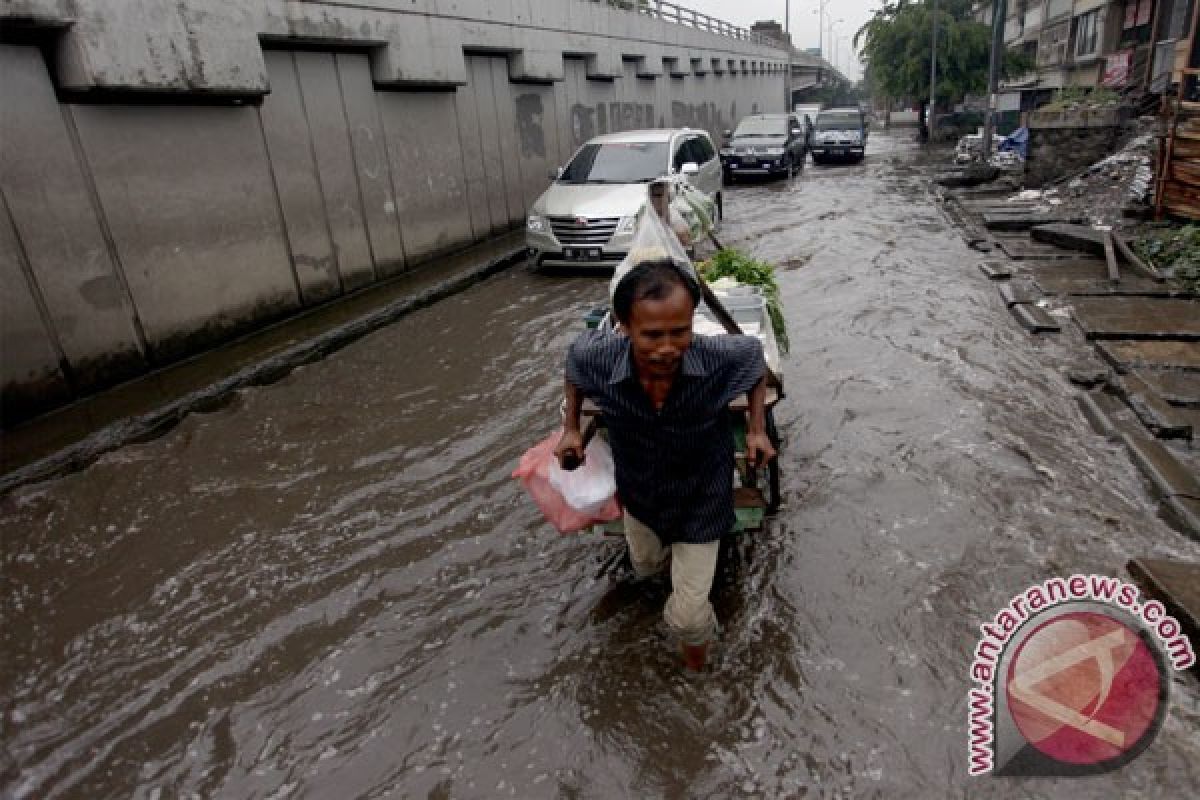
(570, 452)
(759, 451)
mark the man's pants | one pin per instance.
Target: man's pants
(688, 612)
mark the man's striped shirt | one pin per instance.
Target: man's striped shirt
(675, 465)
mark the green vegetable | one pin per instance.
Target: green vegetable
(730, 263)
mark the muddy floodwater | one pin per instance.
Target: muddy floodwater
(331, 588)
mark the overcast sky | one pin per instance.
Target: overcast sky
(853, 14)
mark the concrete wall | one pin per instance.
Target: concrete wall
(1064, 142)
(197, 172)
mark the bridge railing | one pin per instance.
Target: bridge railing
(671, 12)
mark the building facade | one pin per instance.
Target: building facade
(1135, 47)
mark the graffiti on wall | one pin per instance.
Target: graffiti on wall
(530, 132)
(589, 121)
(696, 115)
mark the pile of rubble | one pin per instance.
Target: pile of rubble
(1106, 194)
(1116, 188)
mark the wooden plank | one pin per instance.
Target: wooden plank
(1174, 583)
(1110, 258)
(1125, 250)
(739, 405)
(745, 497)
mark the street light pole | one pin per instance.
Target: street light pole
(999, 15)
(787, 36)
(933, 76)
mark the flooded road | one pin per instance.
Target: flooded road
(332, 588)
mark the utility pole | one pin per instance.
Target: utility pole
(999, 13)
(933, 77)
(787, 35)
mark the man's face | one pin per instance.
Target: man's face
(660, 332)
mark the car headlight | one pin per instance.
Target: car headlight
(627, 225)
(775, 151)
(536, 224)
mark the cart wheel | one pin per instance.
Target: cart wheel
(774, 494)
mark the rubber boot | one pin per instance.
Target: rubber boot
(695, 656)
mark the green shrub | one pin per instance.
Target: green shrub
(1078, 95)
(1175, 251)
(730, 263)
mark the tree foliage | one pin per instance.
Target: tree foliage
(896, 45)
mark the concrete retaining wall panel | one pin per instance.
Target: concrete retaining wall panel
(422, 135)
(200, 45)
(295, 175)
(51, 11)
(551, 16)
(155, 45)
(536, 138)
(574, 70)
(29, 361)
(466, 106)
(137, 44)
(322, 96)
(187, 194)
(375, 179)
(53, 213)
(480, 70)
(509, 149)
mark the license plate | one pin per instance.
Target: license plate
(580, 254)
(838, 152)
(748, 160)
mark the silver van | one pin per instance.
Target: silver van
(841, 133)
(588, 216)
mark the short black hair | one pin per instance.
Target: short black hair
(651, 280)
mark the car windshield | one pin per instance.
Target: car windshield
(838, 122)
(762, 126)
(617, 162)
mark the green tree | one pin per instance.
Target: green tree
(896, 45)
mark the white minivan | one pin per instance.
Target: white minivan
(588, 215)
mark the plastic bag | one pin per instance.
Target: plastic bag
(534, 474)
(589, 488)
(652, 241)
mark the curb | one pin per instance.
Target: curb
(151, 425)
(1178, 497)
(1188, 520)
(1097, 417)
(1035, 319)
(1157, 463)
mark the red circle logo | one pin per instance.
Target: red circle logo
(1083, 688)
